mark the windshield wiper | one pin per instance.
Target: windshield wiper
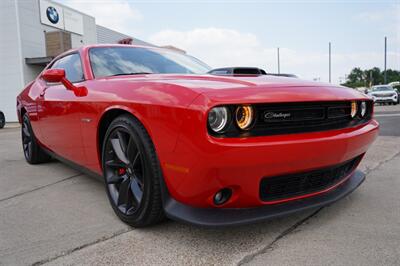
(132, 73)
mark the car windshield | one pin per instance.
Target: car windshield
(113, 61)
(382, 88)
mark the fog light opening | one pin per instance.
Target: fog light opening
(222, 196)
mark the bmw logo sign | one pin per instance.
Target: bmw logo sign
(52, 15)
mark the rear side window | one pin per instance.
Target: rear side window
(73, 67)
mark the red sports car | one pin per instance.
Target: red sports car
(171, 140)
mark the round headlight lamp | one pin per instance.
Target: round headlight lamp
(218, 118)
(353, 112)
(363, 109)
(244, 116)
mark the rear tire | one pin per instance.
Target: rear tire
(132, 173)
(33, 153)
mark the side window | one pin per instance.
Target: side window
(72, 66)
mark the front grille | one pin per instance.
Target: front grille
(298, 117)
(384, 95)
(303, 117)
(294, 185)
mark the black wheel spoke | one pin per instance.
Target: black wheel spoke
(26, 140)
(116, 144)
(136, 161)
(138, 179)
(136, 190)
(125, 194)
(115, 165)
(122, 141)
(115, 179)
(131, 149)
(25, 130)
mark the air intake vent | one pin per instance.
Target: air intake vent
(294, 185)
(237, 71)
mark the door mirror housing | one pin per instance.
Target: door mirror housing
(58, 75)
(53, 75)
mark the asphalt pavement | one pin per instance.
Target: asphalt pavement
(52, 214)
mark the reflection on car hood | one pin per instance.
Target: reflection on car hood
(250, 88)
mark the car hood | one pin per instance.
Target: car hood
(251, 88)
(377, 93)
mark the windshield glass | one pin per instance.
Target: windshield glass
(111, 61)
(382, 88)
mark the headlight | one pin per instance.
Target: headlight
(244, 116)
(218, 118)
(353, 109)
(363, 109)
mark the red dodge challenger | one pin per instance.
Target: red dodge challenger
(170, 139)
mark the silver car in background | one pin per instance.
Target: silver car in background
(383, 94)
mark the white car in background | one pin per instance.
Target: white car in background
(383, 94)
(396, 87)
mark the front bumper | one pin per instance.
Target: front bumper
(213, 217)
(201, 165)
(392, 99)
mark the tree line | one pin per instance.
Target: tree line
(369, 77)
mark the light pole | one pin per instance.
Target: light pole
(279, 66)
(384, 73)
(330, 68)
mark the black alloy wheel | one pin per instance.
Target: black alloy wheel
(33, 153)
(132, 173)
(27, 138)
(124, 171)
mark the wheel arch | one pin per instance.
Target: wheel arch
(21, 113)
(107, 117)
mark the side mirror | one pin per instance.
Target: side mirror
(53, 75)
(58, 75)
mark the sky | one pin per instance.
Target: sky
(248, 33)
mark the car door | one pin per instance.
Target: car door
(59, 111)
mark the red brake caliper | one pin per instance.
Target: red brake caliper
(121, 171)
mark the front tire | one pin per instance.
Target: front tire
(33, 153)
(132, 173)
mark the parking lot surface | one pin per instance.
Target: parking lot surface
(52, 214)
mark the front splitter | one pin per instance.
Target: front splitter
(215, 217)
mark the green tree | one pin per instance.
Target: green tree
(392, 75)
(370, 77)
(355, 78)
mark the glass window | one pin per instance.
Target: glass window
(111, 61)
(72, 66)
(219, 72)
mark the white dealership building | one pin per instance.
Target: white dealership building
(32, 32)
